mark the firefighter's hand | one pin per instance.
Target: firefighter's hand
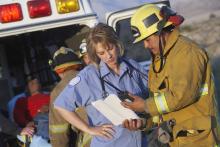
(137, 105)
(29, 131)
(105, 131)
(132, 124)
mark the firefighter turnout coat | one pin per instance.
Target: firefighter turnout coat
(59, 128)
(184, 91)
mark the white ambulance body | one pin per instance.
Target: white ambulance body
(30, 30)
(34, 15)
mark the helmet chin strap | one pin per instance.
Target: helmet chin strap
(166, 13)
(162, 58)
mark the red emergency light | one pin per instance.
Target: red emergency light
(39, 8)
(10, 13)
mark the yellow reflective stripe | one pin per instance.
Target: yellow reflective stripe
(204, 90)
(161, 102)
(23, 139)
(191, 131)
(86, 139)
(156, 119)
(59, 128)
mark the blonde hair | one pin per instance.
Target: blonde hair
(105, 35)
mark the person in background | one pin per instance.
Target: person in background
(180, 80)
(105, 51)
(33, 111)
(38, 102)
(27, 108)
(66, 64)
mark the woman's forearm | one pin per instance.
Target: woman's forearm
(73, 119)
(104, 130)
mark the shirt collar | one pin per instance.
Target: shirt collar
(104, 69)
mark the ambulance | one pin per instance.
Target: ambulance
(30, 30)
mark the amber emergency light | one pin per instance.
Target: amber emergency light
(67, 6)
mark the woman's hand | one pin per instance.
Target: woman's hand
(105, 131)
(137, 105)
(132, 124)
(29, 131)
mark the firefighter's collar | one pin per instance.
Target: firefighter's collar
(171, 40)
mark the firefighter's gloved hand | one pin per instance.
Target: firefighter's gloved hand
(153, 140)
(165, 131)
(161, 135)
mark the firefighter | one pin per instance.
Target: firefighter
(66, 64)
(83, 138)
(180, 79)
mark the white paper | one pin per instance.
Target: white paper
(112, 109)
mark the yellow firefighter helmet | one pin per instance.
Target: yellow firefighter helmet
(145, 22)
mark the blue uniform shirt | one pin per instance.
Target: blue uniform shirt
(86, 88)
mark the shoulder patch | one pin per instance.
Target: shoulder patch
(74, 81)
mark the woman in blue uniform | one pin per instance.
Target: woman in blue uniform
(110, 73)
